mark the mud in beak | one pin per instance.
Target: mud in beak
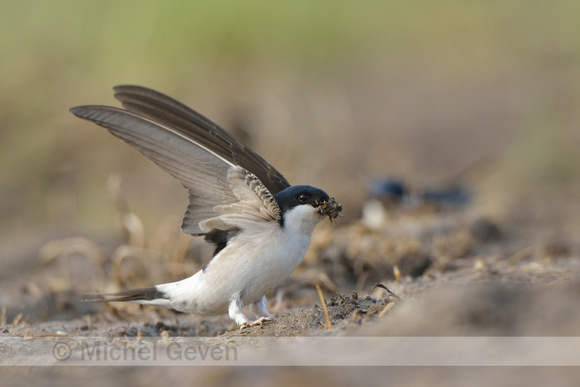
(330, 208)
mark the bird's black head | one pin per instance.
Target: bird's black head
(299, 195)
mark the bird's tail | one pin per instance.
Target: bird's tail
(148, 296)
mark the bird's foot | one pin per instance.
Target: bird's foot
(259, 321)
(262, 320)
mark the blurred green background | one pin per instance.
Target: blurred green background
(333, 93)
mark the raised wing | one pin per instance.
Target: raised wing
(197, 152)
(167, 111)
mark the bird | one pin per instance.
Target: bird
(260, 224)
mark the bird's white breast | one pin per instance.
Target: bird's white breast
(253, 262)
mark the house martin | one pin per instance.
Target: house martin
(260, 224)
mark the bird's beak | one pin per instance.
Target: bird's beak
(330, 208)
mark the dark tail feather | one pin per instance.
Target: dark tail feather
(142, 294)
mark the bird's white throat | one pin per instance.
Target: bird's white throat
(302, 219)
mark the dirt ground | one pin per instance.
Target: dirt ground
(419, 270)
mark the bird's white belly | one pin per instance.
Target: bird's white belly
(247, 267)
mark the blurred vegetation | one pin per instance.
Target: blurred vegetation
(328, 91)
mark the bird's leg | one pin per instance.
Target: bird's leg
(235, 312)
(259, 309)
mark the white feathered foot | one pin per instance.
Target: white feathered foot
(258, 308)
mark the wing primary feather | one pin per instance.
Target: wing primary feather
(110, 118)
(166, 110)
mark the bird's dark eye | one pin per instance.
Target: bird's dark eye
(304, 197)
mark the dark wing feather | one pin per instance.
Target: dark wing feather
(167, 111)
(220, 238)
(142, 294)
(199, 169)
(188, 146)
